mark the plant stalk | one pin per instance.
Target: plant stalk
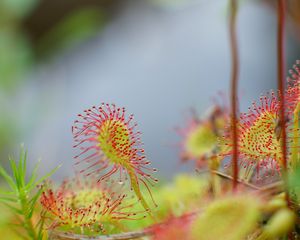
(281, 8)
(233, 88)
(281, 75)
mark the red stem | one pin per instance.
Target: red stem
(281, 74)
(234, 86)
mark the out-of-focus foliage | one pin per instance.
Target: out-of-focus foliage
(231, 218)
(177, 198)
(173, 199)
(294, 183)
(200, 138)
(15, 58)
(16, 9)
(21, 197)
(6, 218)
(15, 49)
(72, 30)
(8, 132)
(276, 203)
(18, 52)
(281, 223)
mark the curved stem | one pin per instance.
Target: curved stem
(234, 86)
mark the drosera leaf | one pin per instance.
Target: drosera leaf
(200, 135)
(88, 207)
(259, 141)
(110, 146)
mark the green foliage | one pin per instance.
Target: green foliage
(182, 195)
(295, 155)
(279, 225)
(6, 217)
(232, 218)
(276, 203)
(22, 196)
(8, 131)
(15, 56)
(294, 183)
(16, 9)
(72, 30)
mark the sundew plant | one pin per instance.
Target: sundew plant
(246, 183)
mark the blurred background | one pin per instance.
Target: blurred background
(158, 58)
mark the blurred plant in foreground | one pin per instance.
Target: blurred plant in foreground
(22, 198)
